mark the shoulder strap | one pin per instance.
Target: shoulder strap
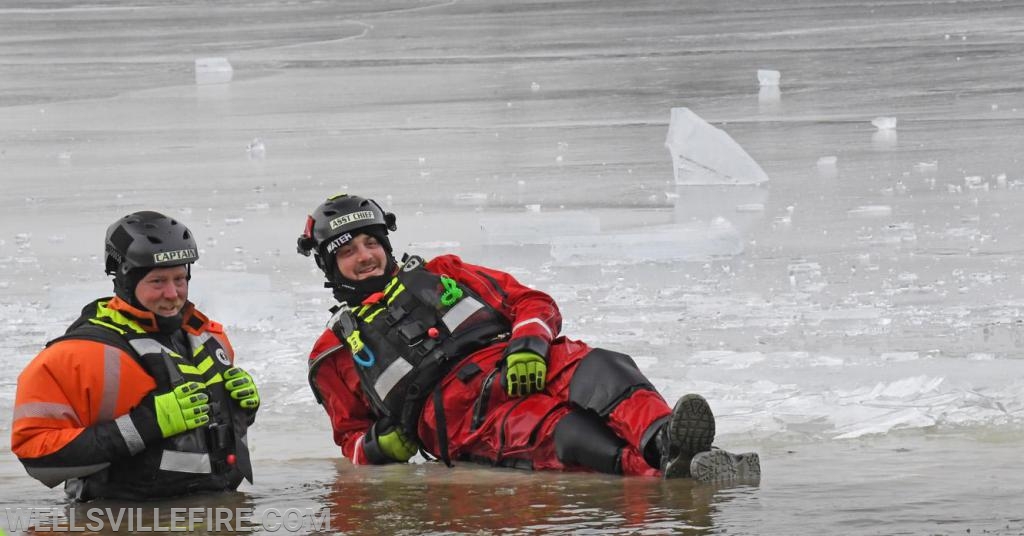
(91, 332)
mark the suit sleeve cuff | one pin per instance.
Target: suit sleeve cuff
(535, 345)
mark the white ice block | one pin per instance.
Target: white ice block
(213, 71)
(768, 77)
(884, 123)
(870, 211)
(470, 198)
(703, 154)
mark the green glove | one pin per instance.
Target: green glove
(242, 388)
(526, 373)
(395, 445)
(181, 409)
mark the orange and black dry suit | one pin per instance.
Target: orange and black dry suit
(428, 357)
(71, 413)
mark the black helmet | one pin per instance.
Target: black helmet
(142, 241)
(332, 225)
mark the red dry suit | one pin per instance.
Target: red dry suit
(468, 414)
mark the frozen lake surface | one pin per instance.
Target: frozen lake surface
(857, 319)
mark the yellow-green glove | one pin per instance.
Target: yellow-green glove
(396, 445)
(526, 373)
(182, 409)
(242, 388)
(386, 443)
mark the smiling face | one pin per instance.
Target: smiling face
(164, 291)
(361, 258)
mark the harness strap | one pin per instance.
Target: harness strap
(442, 428)
(480, 406)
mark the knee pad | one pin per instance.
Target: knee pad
(583, 439)
(605, 378)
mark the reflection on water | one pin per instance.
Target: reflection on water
(430, 498)
(425, 498)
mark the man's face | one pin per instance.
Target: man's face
(361, 257)
(164, 290)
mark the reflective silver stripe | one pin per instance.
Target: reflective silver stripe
(149, 346)
(394, 373)
(462, 310)
(197, 341)
(111, 383)
(185, 462)
(51, 476)
(46, 410)
(533, 321)
(130, 434)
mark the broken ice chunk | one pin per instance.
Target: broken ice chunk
(213, 71)
(768, 77)
(471, 198)
(884, 123)
(703, 154)
(256, 149)
(871, 211)
(926, 167)
(827, 161)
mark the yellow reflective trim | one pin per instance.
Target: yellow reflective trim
(387, 288)
(374, 315)
(216, 379)
(399, 290)
(205, 365)
(108, 325)
(189, 369)
(102, 311)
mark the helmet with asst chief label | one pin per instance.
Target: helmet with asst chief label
(332, 225)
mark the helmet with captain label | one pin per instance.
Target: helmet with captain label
(144, 240)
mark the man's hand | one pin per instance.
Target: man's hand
(182, 409)
(386, 443)
(526, 373)
(242, 388)
(395, 445)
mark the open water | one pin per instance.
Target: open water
(857, 320)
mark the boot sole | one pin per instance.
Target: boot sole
(720, 466)
(691, 430)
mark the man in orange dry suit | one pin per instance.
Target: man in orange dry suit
(466, 363)
(139, 399)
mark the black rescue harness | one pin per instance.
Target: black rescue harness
(210, 458)
(405, 339)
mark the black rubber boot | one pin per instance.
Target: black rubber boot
(689, 430)
(717, 465)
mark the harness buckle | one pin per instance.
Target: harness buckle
(412, 333)
(396, 312)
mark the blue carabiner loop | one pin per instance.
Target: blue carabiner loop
(365, 362)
